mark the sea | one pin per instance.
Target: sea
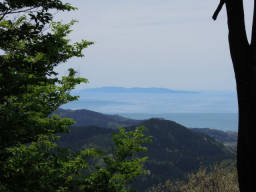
(220, 121)
(193, 109)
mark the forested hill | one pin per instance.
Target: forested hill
(174, 152)
(86, 117)
(228, 138)
(177, 150)
(223, 136)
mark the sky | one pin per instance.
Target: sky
(150, 43)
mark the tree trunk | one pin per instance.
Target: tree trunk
(244, 63)
(243, 57)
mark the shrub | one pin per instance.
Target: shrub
(220, 178)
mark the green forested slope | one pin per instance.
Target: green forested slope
(174, 152)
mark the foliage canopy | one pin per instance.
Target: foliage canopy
(31, 45)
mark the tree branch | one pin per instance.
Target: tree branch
(21, 11)
(217, 11)
(7, 12)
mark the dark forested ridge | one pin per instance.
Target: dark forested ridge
(86, 117)
(228, 138)
(174, 152)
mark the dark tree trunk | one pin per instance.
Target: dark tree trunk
(243, 56)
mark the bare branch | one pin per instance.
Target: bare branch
(217, 11)
(22, 11)
(7, 12)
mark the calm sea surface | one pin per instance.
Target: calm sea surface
(221, 121)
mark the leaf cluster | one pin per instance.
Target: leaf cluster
(119, 168)
(29, 88)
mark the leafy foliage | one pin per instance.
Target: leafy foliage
(32, 44)
(29, 87)
(42, 166)
(122, 165)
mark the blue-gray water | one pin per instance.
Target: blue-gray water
(221, 121)
(155, 103)
(197, 109)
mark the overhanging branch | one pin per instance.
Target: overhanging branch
(217, 11)
(9, 11)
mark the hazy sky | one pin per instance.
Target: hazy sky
(153, 43)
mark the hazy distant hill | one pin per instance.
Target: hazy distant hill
(228, 138)
(223, 136)
(85, 117)
(174, 152)
(135, 90)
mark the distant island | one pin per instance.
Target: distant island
(136, 90)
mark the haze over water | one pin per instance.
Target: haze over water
(195, 109)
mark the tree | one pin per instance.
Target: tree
(31, 45)
(121, 166)
(244, 61)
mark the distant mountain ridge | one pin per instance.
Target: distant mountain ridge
(86, 117)
(135, 90)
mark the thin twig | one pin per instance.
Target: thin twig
(5, 13)
(21, 11)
